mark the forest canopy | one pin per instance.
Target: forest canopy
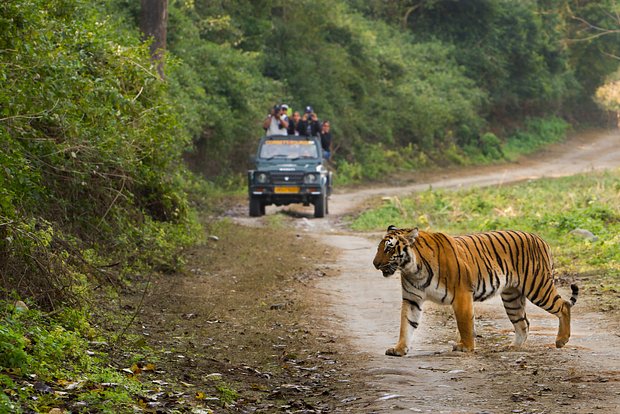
(422, 78)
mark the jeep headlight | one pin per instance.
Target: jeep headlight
(262, 178)
(311, 178)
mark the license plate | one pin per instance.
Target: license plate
(285, 190)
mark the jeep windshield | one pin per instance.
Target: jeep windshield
(288, 149)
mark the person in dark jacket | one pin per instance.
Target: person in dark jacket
(326, 140)
(294, 124)
(310, 124)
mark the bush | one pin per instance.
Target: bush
(12, 353)
(55, 352)
(536, 133)
(90, 148)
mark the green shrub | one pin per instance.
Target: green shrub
(12, 349)
(536, 133)
(90, 150)
(490, 145)
(55, 350)
(549, 207)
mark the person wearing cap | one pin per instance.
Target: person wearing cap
(309, 124)
(285, 112)
(275, 123)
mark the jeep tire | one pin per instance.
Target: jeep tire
(257, 208)
(320, 206)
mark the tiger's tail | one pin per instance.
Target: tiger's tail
(574, 296)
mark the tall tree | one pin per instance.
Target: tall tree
(154, 23)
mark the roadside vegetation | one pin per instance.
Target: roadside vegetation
(556, 209)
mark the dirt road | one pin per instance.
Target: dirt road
(583, 377)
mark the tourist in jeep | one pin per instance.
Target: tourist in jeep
(294, 124)
(310, 124)
(326, 140)
(275, 123)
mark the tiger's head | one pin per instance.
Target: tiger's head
(393, 252)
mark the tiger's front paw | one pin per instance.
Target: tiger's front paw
(397, 351)
(460, 347)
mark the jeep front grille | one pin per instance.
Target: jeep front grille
(292, 177)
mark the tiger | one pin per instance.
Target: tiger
(461, 270)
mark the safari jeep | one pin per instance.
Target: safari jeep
(289, 169)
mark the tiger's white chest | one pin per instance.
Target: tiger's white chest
(439, 295)
(427, 285)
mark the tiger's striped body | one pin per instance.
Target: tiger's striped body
(463, 269)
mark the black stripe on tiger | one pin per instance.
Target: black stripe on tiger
(413, 303)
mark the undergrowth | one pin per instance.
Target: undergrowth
(93, 194)
(50, 361)
(377, 161)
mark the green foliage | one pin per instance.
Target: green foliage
(218, 81)
(90, 147)
(12, 345)
(382, 87)
(227, 395)
(438, 79)
(515, 52)
(55, 351)
(376, 162)
(550, 207)
(592, 27)
(535, 134)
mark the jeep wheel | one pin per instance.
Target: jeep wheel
(256, 207)
(320, 206)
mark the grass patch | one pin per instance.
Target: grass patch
(537, 133)
(551, 208)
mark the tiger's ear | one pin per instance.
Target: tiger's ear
(391, 227)
(413, 234)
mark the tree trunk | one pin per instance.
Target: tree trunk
(153, 24)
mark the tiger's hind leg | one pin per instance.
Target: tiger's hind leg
(564, 329)
(514, 303)
(548, 298)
